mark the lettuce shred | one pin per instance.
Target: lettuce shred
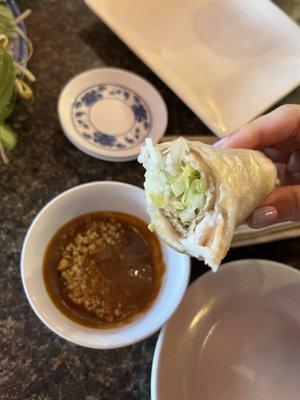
(182, 194)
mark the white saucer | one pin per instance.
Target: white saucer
(108, 112)
(235, 336)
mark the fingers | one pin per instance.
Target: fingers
(279, 126)
(262, 217)
(287, 163)
(286, 178)
(294, 162)
(283, 204)
(289, 174)
(278, 133)
(277, 156)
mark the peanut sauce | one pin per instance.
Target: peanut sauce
(103, 269)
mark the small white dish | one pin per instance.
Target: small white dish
(108, 113)
(97, 196)
(227, 60)
(235, 336)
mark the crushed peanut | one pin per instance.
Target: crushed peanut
(82, 282)
(105, 268)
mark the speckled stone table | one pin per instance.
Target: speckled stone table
(35, 363)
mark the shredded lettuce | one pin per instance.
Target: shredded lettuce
(182, 194)
(157, 199)
(174, 186)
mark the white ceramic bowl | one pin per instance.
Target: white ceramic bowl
(97, 196)
(239, 335)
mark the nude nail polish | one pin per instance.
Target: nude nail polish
(263, 217)
(220, 142)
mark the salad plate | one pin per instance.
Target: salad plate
(228, 61)
(108, 113)
(235, 336)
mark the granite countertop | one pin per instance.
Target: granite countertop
(34, 362)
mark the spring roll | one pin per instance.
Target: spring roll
(197, 194)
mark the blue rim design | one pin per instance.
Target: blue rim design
(19, 47)
(141, 116)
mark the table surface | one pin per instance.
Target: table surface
(34, 362)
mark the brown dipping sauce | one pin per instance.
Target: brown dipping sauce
(103, 269)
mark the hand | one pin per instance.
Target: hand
(277, 134)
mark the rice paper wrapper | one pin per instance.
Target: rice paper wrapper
(239, 180)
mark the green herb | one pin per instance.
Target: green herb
(7, 79)
(7, 20)
(7, 136)
(12, 75)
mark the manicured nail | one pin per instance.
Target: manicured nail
(263, 216)
(220, 142)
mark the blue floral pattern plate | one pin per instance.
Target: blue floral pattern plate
(135, 127)
(108, 113)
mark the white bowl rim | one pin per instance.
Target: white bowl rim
(48, 322)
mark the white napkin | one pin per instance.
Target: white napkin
(245, 236)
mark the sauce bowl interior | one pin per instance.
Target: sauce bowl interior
(97, 196)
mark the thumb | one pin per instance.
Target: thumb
(283, 204)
